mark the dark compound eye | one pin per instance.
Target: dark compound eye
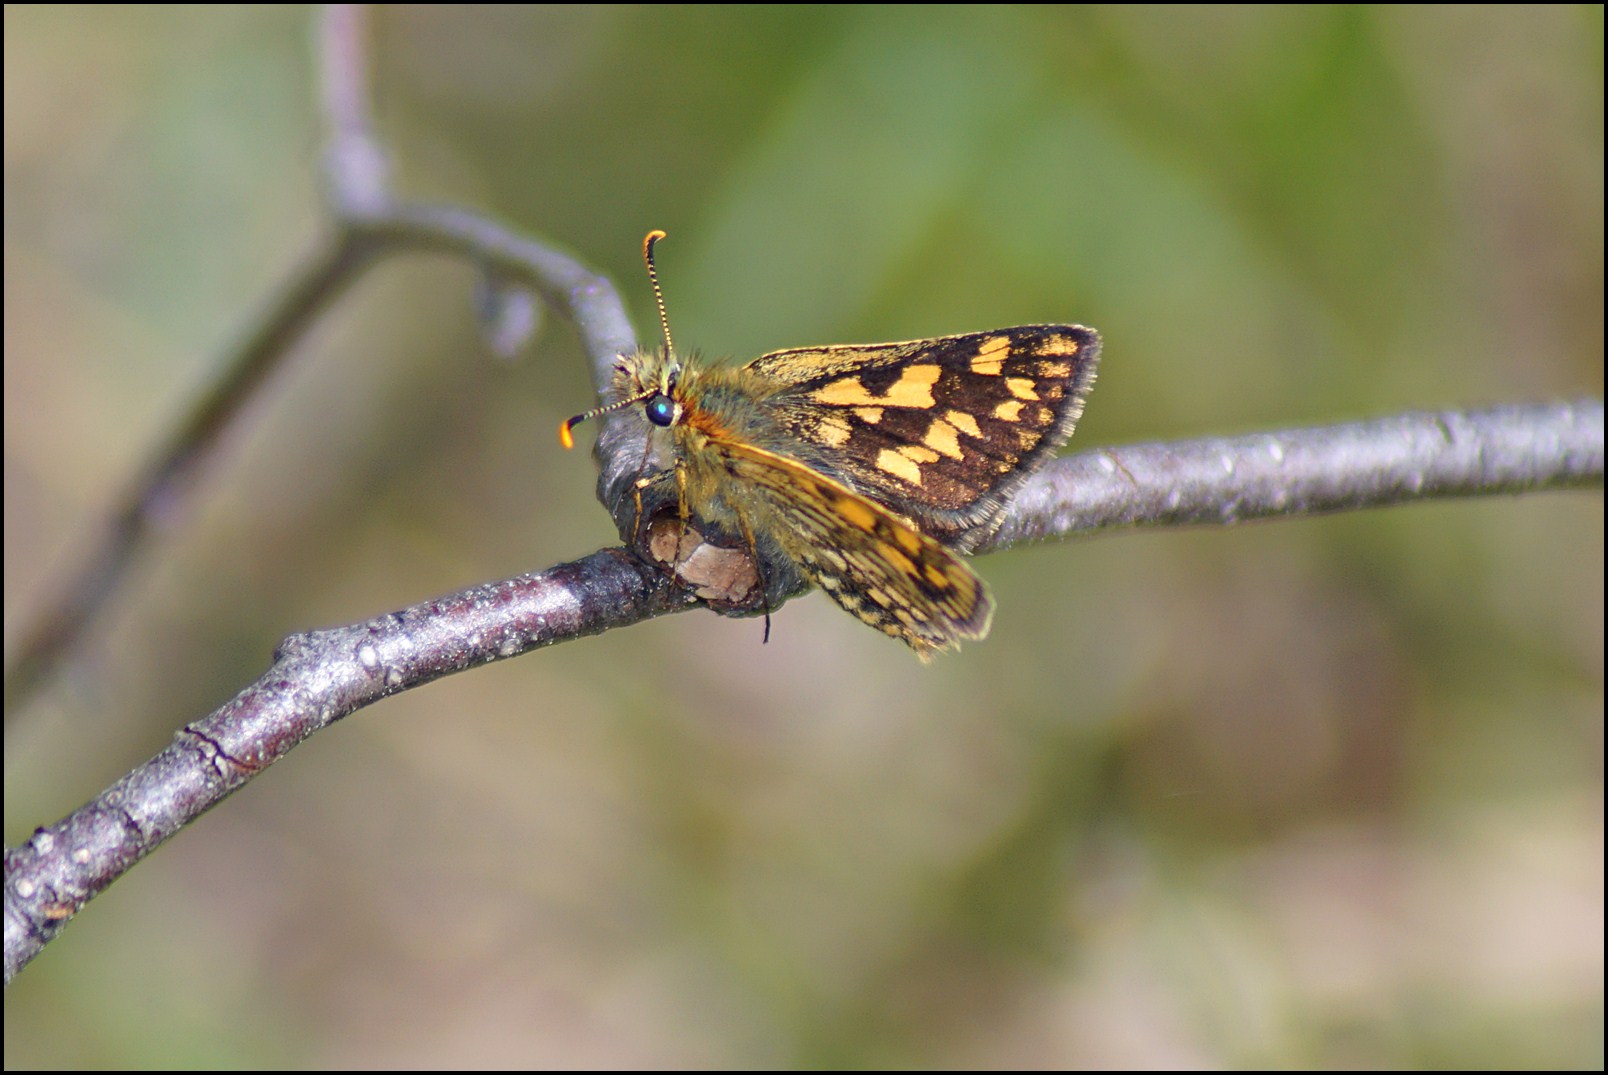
(661, 410)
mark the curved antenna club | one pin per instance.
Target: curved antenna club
(653, 278)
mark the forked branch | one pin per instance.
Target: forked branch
(317, 678)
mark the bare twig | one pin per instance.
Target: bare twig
(1403, 459)
(319, 677)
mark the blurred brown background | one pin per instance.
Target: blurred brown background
(1320, 793)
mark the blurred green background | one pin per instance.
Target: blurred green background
(1319, 793)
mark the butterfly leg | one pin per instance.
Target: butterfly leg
(759, 569)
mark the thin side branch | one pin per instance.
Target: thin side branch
(162, 490)
(367, 223)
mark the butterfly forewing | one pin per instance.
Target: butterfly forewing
(945, 427)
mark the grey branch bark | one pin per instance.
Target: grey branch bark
(315, 679)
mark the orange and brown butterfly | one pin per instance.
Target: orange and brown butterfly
(866, 465)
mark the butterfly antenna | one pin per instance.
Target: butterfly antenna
(568, 440)
(564, 435)
(653, 278)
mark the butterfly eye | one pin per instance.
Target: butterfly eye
(661, 410)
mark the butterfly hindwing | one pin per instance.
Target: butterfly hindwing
(867, 559)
